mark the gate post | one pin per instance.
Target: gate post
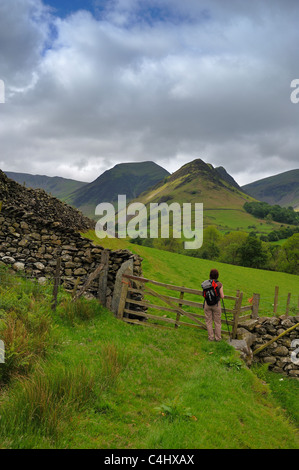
(237, 311)
(275, 300)
(56, 283)
(123, 295)
(102, 290)
(255, 305)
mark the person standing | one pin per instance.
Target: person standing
(213, 312)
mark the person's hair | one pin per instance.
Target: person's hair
(214, 274)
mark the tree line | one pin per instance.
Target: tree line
(263, 210)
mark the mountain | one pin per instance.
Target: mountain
(199, 182)
(281, 189)
(125, 178)
(38, 204)
(57, 186)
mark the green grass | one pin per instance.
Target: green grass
(96, 382)
(279, 242)
(237, 219)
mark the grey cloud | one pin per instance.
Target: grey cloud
(24, 29)
(111, 89)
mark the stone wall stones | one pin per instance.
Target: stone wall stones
(39, 205)
(280, 354)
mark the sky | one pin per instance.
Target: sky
(90, 84)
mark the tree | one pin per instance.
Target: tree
(211, 234)
(209, 250)
(252, 253)
(289, 255)
(230, 246)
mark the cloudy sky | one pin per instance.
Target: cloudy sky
(89, 84)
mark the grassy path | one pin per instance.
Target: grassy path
(205, 397)
(83, 379)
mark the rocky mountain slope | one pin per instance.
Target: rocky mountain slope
(40, 205)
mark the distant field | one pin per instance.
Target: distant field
(279, 242)
(237, 219)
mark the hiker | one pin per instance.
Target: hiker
(212, 307)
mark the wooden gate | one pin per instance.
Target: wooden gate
(135, 295)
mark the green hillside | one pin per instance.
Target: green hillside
(80, 378)
(125, 178)
(56, 186)
(281, 189)
(199, 182)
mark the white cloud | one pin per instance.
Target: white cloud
(85, 92)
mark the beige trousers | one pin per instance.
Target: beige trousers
(213, 313)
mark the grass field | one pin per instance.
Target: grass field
(80, 378)
(237, 219)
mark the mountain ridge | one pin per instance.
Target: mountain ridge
(124, 178)
(281, 189)
(55, 185)
(134, 178)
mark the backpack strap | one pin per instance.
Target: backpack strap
(215, 284)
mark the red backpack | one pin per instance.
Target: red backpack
(211, 291)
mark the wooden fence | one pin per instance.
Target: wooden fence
(275, 304)
(133, 286)
(131, 301)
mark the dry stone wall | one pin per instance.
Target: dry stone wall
(36, 229)
(33, 246)
(282, 354)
